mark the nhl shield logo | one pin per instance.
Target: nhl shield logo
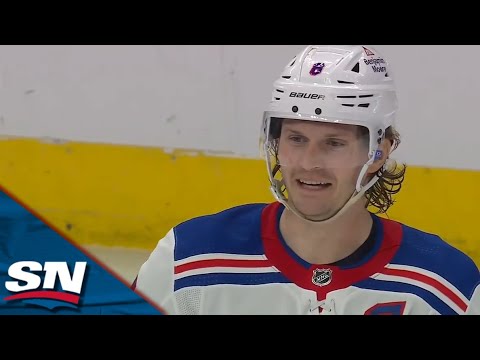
(322, 277)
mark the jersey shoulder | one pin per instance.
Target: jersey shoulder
(233, 231)
(430, 255)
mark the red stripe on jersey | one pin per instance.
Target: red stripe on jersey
(212, 263)
(429, 281)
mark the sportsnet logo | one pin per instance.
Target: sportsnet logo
(28, 287)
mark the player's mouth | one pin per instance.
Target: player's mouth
(312, 184)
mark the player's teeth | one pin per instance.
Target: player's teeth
(312, 182)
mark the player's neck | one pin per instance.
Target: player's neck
(325, 243)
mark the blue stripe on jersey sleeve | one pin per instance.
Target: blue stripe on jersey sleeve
(393, 286)
(230, 279)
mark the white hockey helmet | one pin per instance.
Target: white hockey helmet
(344, 84)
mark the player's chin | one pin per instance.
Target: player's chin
(313, 212)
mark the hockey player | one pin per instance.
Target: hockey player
(327, 138)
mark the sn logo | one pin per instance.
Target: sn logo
(28, 285)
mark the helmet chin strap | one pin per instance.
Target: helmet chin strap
(356, 195)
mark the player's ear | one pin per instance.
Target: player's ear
(381, 156)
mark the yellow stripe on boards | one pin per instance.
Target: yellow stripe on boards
(131, 196)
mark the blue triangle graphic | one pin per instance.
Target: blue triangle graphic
(24, 236)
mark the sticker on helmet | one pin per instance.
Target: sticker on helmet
(368, 52)
(317, 69)
(377, 64)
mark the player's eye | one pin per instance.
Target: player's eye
(335, 143)
(297, 138)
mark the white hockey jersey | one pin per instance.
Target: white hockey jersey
(236, 262)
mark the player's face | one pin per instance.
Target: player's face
(320, 164)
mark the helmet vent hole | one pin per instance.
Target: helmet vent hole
(356, 68)
(363, 105)
(345, 82)
(277, 98)
(364, 96)
(346, 96)
(349, 105)
(286, 77)
(293, 62)
(280, 91)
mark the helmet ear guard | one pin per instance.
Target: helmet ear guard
(345, 84)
